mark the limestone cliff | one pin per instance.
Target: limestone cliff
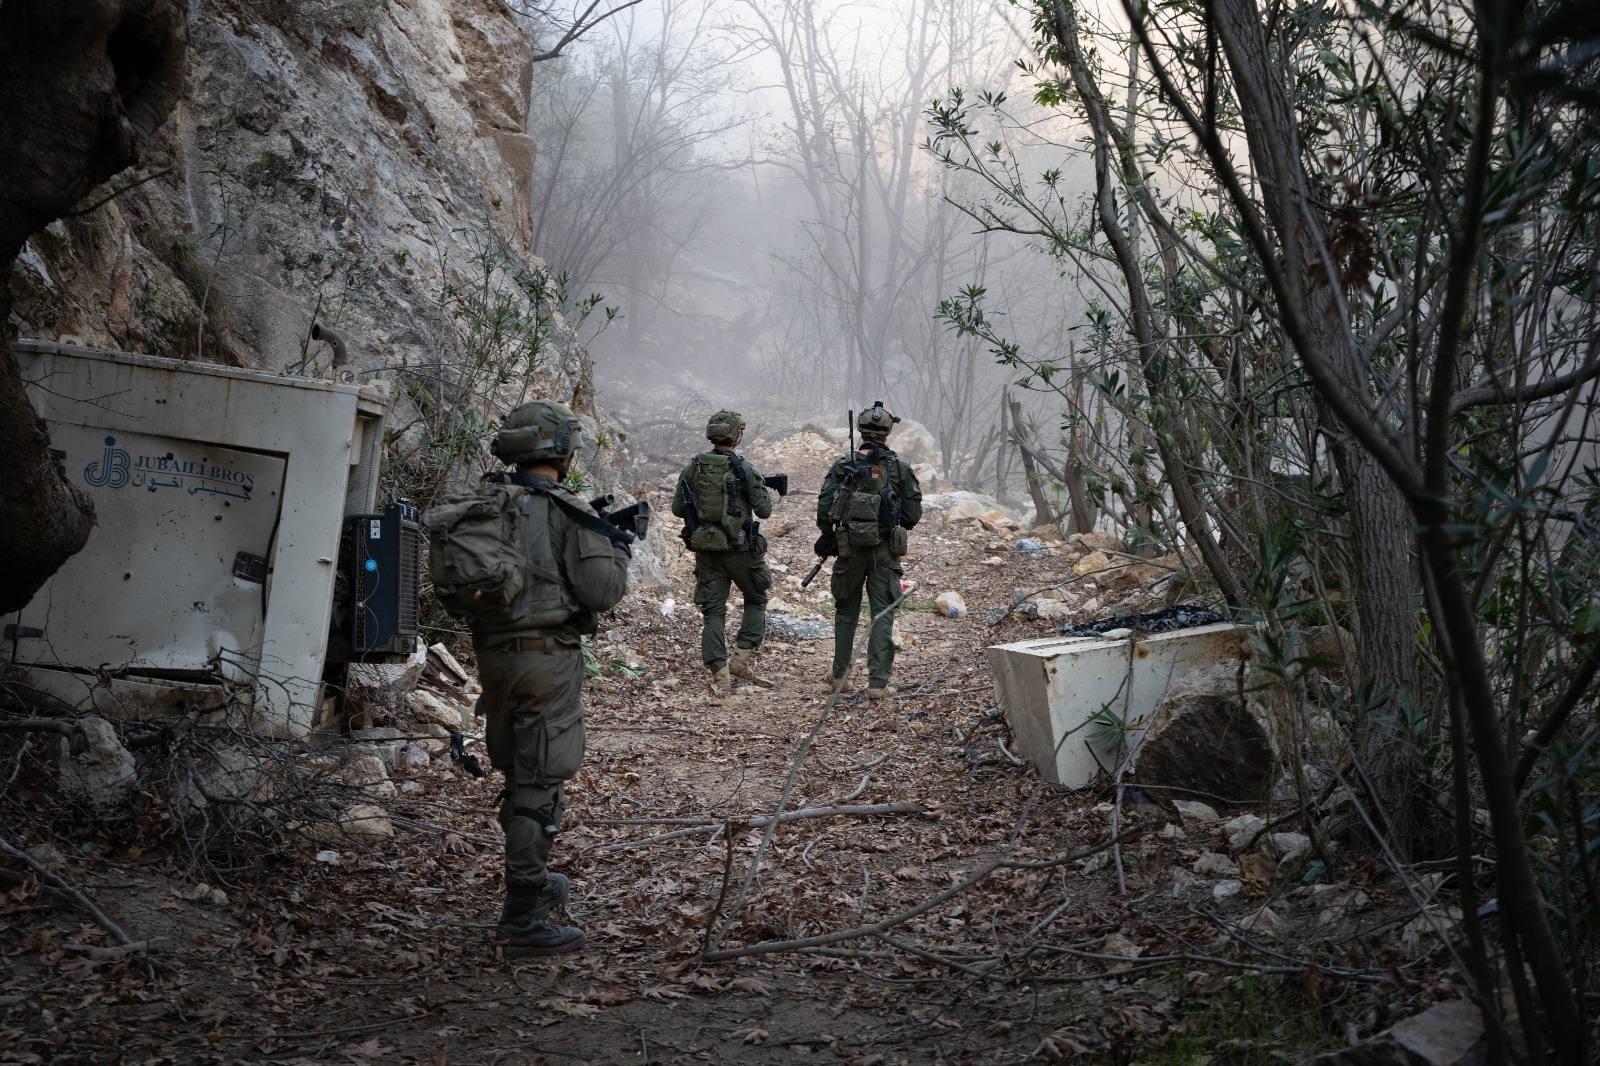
(363, 163)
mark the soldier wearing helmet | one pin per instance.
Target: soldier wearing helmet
(868, 502)
(720, 495)
(531, 667)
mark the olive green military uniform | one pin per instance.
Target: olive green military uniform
(716, 572)
(532, 695)
(874, 568)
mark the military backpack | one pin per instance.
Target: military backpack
(491, 560)
(721, 499)
(866, 509)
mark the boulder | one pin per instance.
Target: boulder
(385, 742)
(1093, 563)
(423, 706)
(1193, 812)
(365, 768)
(103, 771)
(1098, 542)
(1055, 610)
(366, 823)
(1242, 830)
(1203, 740)
(369, 680)
(913, 442)
(1215, 864)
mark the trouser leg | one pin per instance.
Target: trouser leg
(533, 711)
(753, 579)
(711, 596)
(848, 576)
(883, 588)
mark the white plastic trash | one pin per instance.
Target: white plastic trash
(950, 604)
(668, 607)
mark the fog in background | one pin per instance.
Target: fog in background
(747, 182)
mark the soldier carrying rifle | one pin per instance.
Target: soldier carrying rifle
(720, 496)
(869, 500)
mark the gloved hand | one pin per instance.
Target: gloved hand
(827, 544)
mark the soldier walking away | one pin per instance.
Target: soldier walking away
(529, 567)
(720, 496)
(869, 500)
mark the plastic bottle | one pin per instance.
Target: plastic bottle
(950, 604)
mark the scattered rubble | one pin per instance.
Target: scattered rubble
(1215, 864)
(792, 627)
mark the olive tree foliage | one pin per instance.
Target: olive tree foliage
(1353, 253)
(84, 86)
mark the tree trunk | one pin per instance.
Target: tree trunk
(1388, 582)
(84, 84)
(1042, 512)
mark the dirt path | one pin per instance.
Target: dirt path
(387, 956)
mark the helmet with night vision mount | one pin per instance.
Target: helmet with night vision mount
(539, 429)
(875, 422)
(725, 427)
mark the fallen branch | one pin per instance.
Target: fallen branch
(997, 862)
(859, 790)
(77, 740)
(425, 827)
(758, 821)
(61, 887)
(1292, 967)
(122, 951)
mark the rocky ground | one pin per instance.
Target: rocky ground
(935, 903)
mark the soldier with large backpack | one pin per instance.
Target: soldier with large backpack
(720, 496)
(529, 567)
(868, 502)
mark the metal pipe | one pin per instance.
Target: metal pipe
(319, 332)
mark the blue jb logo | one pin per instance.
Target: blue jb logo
(111, 470)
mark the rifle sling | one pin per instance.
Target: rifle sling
(588, 520)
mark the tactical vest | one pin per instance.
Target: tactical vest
(492, 562)
(722, 498)
(868, 514)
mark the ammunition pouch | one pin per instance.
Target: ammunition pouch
(899, 542)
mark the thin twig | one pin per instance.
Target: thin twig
(759, 821)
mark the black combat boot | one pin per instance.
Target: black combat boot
(523, 928)
(536, 901)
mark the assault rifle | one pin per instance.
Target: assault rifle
(827, 544)
(621, 528)
(635, 518)
(778, 483)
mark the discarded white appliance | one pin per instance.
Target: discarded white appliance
(236, 556)
(1051, 690)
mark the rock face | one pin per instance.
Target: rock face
(1203, 741)
(363, 163)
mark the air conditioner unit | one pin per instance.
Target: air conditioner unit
(378, 599)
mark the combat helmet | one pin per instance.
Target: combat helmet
(725, 427)
(875, 422)
(539, 429)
